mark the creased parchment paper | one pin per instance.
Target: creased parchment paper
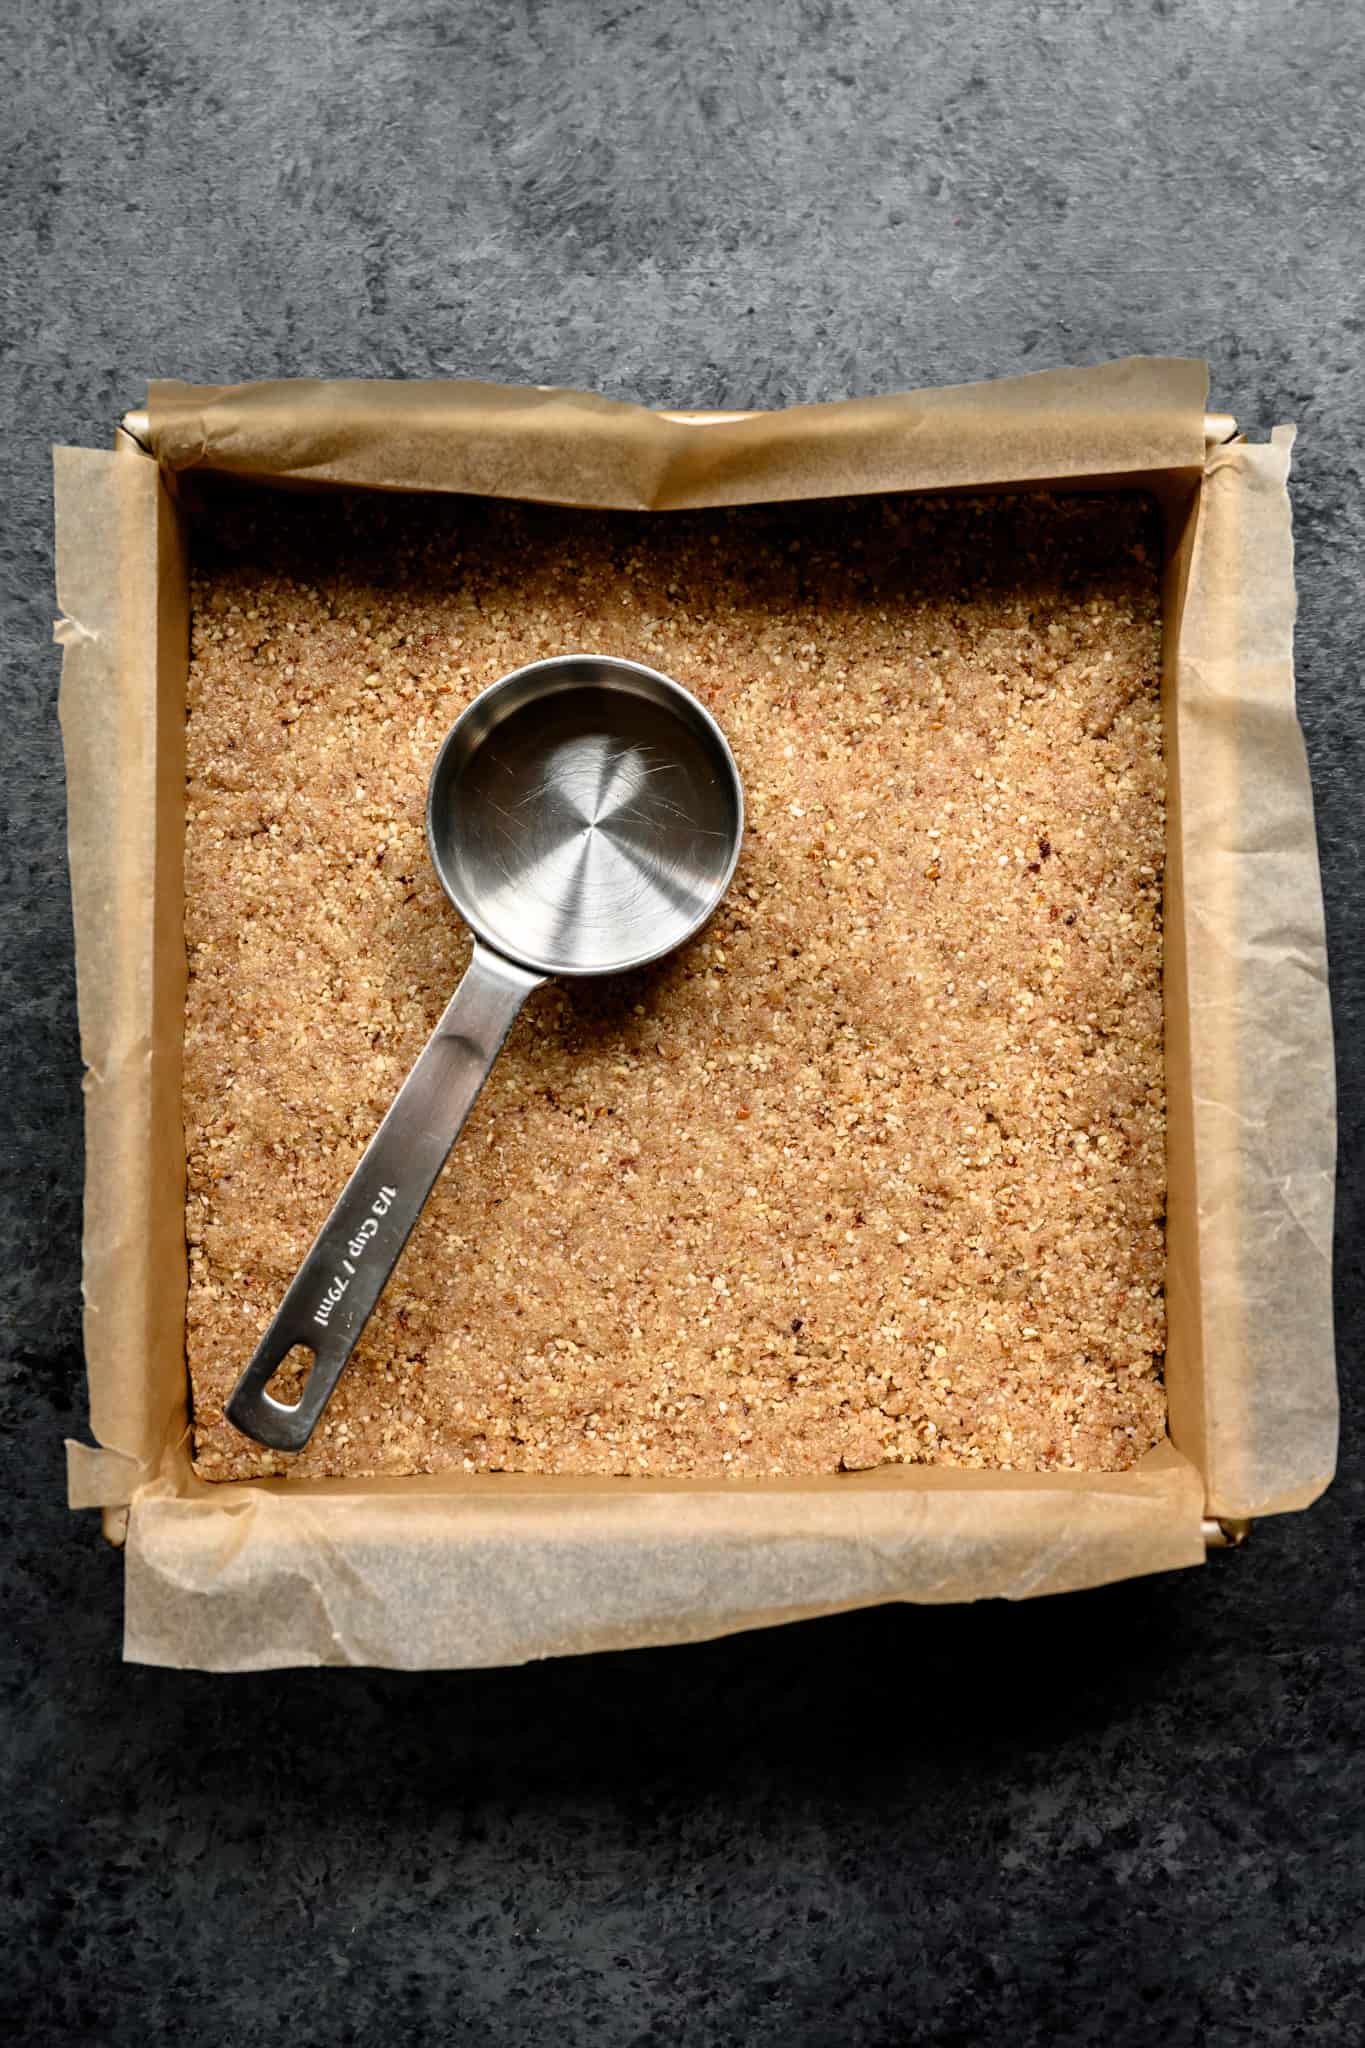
(573, 448)
(121, 586)
(498, 1569)
(1249, 1029)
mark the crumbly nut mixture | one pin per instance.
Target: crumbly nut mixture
(873, 1170)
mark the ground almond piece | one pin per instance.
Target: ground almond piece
(874, 1168)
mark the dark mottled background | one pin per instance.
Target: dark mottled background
(1130, 1816)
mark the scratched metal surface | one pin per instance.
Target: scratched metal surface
(587, 833)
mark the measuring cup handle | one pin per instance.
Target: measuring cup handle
(331, 1297)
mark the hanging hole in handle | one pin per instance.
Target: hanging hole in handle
(290, 1377)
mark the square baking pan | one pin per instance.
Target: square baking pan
(497, 1568)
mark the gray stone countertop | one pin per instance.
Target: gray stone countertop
(1128, 1816)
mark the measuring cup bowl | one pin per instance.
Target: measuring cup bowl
(584, 816)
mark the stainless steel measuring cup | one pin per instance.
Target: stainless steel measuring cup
(584, 816)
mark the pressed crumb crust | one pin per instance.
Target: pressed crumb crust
(873, 1170)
